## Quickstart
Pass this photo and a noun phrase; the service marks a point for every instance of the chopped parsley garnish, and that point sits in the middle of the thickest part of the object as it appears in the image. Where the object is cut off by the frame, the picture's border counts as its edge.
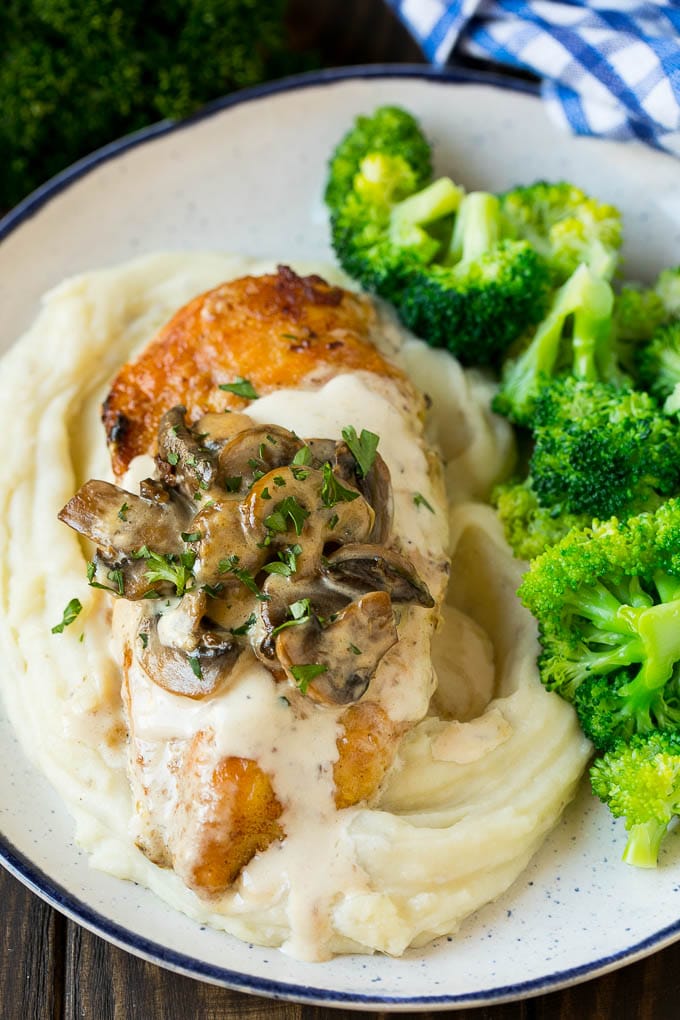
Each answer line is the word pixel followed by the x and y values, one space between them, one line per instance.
pixel 144 638
pixel 332 491
pixel 354 650
pixel 117 577
pixel 279 481
pixel 303 457
pixel 300 612
pixel 177 570
pixel 299 474
pixel 229 565
pixel 71 613
pixel 265 494
pixel 303 675
pixel 286 563
pixel 270 439
pixel 191 536
pixel 122 513
pixel 333 521
pixel 288 510
pixel 212 590
pixel 240 388
pixel 173 458
pixel 420 500
pixel 363 448
pixel 113 575
pixel 233 483
pixel 289 336
pixel 245 627
pixel 195 664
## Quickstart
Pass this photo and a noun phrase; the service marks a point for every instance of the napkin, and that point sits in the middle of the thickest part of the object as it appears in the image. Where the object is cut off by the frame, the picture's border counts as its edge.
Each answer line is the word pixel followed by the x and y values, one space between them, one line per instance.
pixel 609 69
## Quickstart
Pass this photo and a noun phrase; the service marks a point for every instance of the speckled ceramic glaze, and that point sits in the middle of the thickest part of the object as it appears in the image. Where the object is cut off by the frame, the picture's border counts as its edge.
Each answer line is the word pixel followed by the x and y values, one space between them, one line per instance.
pixel 247 176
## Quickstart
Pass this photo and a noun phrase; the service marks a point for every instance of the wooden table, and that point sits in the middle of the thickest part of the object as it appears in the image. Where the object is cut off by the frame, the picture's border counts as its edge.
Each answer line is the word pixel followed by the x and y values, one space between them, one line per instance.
pixel 51 969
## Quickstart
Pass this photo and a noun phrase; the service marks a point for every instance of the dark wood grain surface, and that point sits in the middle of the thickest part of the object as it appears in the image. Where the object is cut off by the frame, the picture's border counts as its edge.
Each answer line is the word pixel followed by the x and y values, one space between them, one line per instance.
pixel 51 968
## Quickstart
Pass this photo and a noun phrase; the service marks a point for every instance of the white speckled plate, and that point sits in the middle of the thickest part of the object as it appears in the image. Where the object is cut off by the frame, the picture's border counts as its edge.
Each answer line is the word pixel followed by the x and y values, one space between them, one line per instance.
pixel 247 176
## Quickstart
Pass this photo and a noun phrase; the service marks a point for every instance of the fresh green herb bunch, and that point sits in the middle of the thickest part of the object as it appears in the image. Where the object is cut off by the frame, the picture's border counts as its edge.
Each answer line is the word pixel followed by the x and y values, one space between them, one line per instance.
pixel 76 74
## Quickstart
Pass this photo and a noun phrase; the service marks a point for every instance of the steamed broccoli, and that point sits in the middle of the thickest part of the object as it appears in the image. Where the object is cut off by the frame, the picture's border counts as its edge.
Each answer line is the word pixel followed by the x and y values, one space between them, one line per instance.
pixel 390 131
pixel 378 230
pixel 607 600
pixel 566 226
pixel 574 338
pixel 437 255
pixel 640 782
pixel 640 311
pixel 482 294
pixel 658 364
pixel 601 451
pixel 529 527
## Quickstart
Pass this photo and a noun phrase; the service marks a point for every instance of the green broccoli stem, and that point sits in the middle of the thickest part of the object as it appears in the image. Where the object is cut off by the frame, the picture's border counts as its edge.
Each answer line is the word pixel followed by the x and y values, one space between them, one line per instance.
pixel 477 228
pixel 644 841
pixel 589 300
pixel 439 199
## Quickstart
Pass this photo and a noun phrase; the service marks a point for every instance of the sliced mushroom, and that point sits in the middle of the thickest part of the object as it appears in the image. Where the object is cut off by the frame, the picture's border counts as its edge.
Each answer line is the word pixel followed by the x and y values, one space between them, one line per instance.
pixel 120 523
pixel 349 649
pixel 181 455
pixel 282 593
pixel 363 568
pixel 218 427
pixel 195 674
pixel 254 452
pixel 222 538
pixel 376 488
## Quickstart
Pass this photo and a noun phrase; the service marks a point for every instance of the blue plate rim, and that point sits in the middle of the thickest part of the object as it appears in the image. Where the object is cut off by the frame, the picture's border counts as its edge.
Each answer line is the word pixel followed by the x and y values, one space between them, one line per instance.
pixel 57 895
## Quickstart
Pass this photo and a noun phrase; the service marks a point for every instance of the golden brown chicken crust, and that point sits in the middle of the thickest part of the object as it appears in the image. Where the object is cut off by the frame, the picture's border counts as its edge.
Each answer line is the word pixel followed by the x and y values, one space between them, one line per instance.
pixel 274 330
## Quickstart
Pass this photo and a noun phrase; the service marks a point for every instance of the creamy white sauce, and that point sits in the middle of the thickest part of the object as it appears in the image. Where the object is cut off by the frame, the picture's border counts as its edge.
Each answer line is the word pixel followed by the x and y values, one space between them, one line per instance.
pixel 467 804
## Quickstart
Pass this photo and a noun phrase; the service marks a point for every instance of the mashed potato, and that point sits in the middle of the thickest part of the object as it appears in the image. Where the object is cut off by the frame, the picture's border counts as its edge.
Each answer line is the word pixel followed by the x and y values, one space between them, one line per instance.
pixel 478 783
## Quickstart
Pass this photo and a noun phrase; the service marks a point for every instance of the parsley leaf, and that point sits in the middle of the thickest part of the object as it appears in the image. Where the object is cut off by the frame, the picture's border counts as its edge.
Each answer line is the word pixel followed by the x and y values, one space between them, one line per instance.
pixel 241 388
pixel 245 627
pixel 122 513
pixel 303 675
pixel 287 510
pixel 332 491
pixel 420 500
pixel 303 457
pixel 71 613
pixel 363 448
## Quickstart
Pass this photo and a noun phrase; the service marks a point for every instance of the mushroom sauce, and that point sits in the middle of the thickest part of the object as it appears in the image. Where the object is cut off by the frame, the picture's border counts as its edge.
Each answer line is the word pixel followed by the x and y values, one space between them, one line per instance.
pixel 470 745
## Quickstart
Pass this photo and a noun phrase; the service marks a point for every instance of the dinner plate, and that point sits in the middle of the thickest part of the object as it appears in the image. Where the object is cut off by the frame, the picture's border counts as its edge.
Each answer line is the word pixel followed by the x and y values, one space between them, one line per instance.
pixel 246 175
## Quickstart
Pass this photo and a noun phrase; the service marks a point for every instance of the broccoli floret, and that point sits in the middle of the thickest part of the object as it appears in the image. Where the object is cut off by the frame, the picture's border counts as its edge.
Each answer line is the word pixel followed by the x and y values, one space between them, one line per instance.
pixel 658 364
pixel 482 294
pixel 640 311
pixel 76 74
pixel 601 451
pixel 378 231
pixel 566 226
pixel 390 131
pixel 640 782
pixel 607 600
pixel 529 527
pixel 574 338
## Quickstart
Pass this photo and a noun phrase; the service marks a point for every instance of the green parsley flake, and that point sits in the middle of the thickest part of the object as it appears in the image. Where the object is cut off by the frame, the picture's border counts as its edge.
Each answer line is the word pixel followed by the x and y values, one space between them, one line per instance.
pixel 287 510
pixel 420 500
pixel 233 483
pixel 240 388
pixel 144 638
pixel 71 613
pixel 363 448
pixel 332 491
pixel 303 458
pixel 245 627
pixel 122 513
pixel 303 675
pixel 195 664
pixel 173 458
pixel 191 536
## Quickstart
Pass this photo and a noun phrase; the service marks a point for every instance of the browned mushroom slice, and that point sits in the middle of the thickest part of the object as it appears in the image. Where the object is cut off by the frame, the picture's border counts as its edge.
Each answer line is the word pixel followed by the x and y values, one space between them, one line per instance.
pixel 363 568
pixel 191 466
pixel 221 539
pixel 297 503
pixel 254 452
pixel 120 523
pixel 284 594
pixel 334 664
pixel 194 674
pixel 218 427
pixel 376 488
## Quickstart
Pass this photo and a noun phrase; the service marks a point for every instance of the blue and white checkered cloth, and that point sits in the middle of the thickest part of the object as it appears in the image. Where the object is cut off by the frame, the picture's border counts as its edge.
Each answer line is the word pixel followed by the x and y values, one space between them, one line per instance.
pixel 608 68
